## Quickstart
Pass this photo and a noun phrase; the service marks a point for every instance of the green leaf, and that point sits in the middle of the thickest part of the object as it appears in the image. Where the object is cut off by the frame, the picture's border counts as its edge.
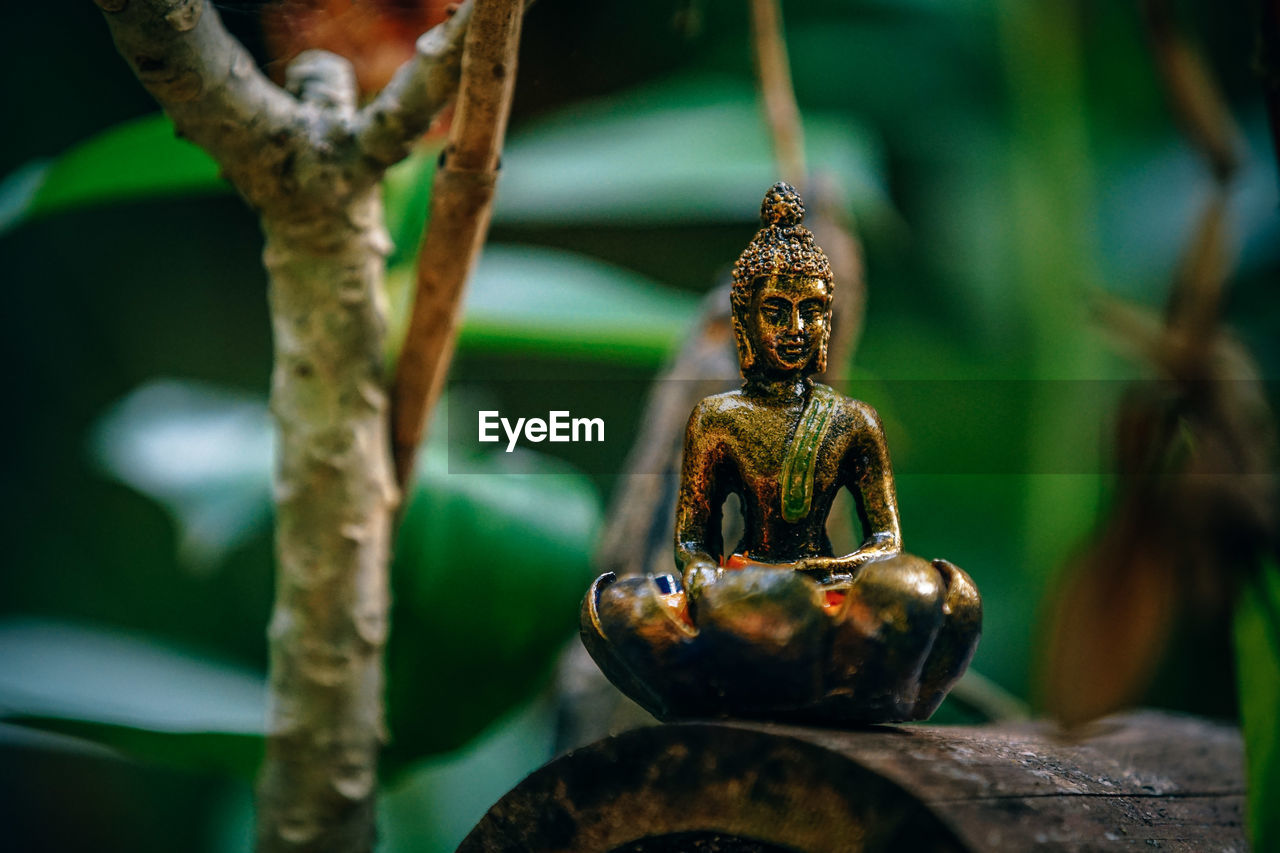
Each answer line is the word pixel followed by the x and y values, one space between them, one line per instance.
pixel 137 159
pixel 689 150
pixel 525 298
pixel 406 198
pixel 490 568
pixel 1257 641
pixel 18 190
pixel 131 693
pixel 24 737
pixel 202 452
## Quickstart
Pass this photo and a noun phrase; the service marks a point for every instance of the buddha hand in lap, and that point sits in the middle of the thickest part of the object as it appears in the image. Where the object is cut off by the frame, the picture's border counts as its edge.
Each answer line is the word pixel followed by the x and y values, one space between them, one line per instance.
pixel 782 627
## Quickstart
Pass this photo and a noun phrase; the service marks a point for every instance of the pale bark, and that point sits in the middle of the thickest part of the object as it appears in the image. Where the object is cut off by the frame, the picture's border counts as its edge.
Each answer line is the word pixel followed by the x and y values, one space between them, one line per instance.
pixel 334 503
pixel 309 163
pixel 415 93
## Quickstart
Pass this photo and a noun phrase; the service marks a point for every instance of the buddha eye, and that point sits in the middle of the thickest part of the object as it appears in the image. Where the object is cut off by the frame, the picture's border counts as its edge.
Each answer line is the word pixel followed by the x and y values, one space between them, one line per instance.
pixel 811 309
pixel 775 310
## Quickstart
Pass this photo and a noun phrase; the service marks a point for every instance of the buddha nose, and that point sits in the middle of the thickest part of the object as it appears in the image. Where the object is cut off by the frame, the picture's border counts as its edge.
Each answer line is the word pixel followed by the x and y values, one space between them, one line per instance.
pixel 795 324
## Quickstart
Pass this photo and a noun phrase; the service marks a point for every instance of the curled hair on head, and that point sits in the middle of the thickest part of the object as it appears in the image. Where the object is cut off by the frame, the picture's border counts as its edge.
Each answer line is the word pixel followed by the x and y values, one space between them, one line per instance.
pixel 782 246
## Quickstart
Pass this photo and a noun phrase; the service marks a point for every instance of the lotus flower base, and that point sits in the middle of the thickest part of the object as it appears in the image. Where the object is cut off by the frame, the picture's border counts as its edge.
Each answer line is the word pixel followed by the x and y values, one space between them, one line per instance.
pixel 772 643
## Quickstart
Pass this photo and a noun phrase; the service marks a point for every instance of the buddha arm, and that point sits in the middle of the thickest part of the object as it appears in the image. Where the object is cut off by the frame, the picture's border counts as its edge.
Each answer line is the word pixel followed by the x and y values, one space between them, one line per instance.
pixel 698 510
pixel 869 476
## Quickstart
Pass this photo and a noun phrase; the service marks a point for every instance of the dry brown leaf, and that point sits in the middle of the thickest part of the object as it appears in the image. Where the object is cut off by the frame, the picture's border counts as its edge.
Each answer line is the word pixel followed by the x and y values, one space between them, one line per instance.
pixel 1110 623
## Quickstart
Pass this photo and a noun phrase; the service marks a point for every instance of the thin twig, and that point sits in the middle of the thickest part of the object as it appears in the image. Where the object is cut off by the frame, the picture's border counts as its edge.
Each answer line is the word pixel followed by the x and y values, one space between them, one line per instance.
pixel 1193 94
pixel 461 202
pixel 781 110
pixel 1193 309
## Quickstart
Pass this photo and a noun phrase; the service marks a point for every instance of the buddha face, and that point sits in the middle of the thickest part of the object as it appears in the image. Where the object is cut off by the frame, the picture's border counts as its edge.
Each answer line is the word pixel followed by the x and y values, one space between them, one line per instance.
pixel 788 322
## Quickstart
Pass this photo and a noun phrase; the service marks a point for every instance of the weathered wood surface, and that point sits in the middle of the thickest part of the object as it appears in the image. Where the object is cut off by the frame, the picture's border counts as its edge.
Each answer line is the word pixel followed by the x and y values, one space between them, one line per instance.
pixel 1143 780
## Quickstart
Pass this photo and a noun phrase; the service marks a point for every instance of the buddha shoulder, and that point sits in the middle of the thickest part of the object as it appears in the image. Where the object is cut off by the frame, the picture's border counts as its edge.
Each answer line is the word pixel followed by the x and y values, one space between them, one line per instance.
pixel 854 415
pixel 718 410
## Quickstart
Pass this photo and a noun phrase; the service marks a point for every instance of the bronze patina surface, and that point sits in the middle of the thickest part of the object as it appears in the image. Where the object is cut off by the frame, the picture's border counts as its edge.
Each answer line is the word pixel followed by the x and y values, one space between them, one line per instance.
pixel 781 627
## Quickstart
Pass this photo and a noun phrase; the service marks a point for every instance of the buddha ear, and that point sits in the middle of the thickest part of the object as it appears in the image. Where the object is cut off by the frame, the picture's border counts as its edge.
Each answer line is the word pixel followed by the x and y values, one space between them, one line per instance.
pixel 746 353
pixel 739 308
pixel 820 360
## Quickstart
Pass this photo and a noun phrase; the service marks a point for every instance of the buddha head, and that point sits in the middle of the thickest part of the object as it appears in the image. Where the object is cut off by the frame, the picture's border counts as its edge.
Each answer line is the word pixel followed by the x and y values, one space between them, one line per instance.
pixel 781 295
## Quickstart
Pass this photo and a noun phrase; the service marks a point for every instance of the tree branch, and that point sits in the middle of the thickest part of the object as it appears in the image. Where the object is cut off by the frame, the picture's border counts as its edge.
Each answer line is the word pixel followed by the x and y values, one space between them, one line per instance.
pixel 335 499
pixel 461 202
pixel 323 80
pixel 297 157
pixel 387 128
pixel 209 85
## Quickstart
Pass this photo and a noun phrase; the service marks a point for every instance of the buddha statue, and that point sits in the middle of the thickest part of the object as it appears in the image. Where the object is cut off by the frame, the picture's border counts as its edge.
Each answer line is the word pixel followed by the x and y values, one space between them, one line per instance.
pixel 781 628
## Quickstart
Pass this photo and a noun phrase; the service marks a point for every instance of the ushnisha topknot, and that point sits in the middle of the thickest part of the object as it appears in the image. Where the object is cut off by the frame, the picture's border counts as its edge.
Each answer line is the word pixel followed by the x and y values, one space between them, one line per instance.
pixel 783 246
pixel 782 205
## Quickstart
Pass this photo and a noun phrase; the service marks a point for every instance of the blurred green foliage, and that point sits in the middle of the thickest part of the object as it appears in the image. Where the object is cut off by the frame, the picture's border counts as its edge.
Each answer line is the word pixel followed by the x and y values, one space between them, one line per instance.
pixel 1004 160
pixel 1257 646
pixel 145 158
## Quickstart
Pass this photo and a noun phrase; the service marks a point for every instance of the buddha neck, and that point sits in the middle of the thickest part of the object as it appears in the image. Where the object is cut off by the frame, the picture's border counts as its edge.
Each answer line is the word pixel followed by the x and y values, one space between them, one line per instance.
pixel 788 388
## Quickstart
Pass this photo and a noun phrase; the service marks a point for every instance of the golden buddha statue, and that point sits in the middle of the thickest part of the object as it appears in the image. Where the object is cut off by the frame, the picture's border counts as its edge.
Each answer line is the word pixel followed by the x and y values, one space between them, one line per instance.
pixel 782 628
